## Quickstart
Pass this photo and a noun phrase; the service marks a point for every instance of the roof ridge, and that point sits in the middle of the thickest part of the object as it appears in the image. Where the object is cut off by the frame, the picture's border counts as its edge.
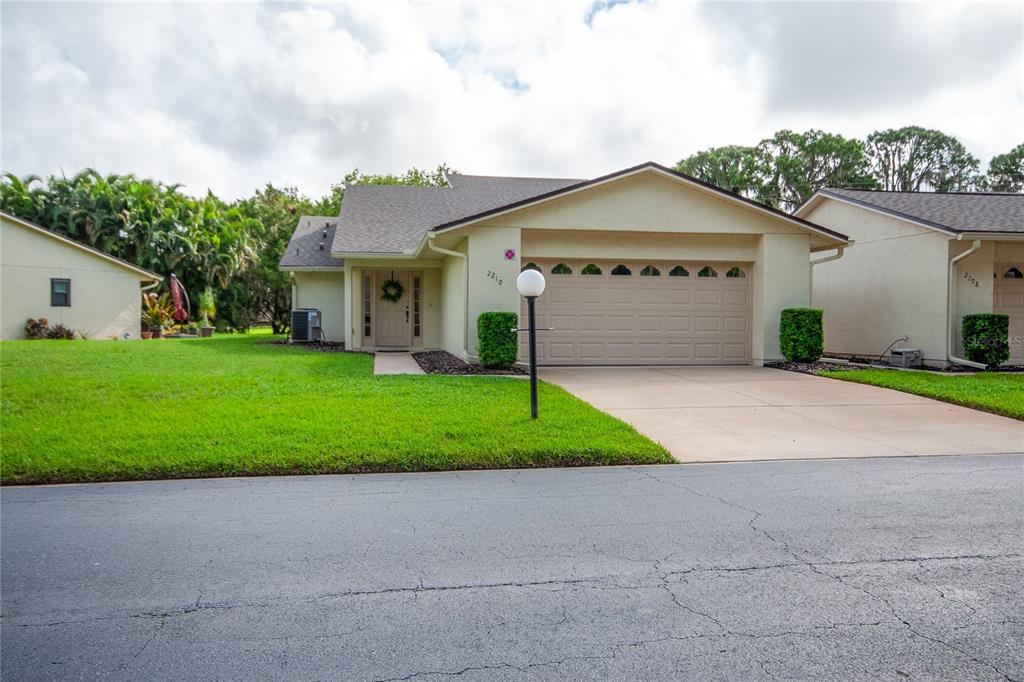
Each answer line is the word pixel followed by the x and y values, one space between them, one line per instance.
pixel 920 193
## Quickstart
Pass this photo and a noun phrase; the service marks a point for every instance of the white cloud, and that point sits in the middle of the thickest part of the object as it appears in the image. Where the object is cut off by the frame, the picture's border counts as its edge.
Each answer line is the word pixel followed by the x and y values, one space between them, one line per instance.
pixel 229 96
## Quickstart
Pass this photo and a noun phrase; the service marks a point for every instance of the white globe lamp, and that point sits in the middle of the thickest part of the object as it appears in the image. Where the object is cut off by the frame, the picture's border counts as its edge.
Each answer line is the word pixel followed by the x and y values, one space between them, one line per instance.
pixel 531 285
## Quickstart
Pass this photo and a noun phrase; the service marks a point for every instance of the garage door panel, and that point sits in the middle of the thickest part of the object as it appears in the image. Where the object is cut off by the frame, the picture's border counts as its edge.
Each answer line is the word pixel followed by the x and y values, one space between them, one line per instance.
pixel 738 298
pixel 706 324
pixel 707 351
pixel 735 324
pixel 677 323
pixel 560 295
pixel 634 319
pixel 1008 299
pixel 708 297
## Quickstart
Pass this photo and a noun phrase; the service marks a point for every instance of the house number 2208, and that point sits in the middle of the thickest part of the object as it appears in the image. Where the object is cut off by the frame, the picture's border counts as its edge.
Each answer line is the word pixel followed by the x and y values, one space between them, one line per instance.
pixel 493 275
pixel 970 278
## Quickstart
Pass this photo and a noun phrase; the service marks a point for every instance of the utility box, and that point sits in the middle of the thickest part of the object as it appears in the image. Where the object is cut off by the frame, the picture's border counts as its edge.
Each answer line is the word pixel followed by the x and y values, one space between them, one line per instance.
pixel 306 325
pixel 905 357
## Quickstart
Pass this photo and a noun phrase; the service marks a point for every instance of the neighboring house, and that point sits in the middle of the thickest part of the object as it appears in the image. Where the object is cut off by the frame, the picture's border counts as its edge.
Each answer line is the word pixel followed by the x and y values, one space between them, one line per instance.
pixel 918 262
pixel 44 274
pixel 644 266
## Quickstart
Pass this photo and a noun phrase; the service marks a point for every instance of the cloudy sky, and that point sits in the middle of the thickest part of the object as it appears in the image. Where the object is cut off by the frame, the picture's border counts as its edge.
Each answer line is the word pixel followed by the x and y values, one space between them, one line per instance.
pixel 229 96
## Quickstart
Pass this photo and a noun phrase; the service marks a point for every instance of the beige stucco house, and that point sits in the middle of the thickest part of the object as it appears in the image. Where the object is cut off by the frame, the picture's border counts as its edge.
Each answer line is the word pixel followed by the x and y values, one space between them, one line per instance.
pixel 917 263
pixel 44 274
pixel 644 266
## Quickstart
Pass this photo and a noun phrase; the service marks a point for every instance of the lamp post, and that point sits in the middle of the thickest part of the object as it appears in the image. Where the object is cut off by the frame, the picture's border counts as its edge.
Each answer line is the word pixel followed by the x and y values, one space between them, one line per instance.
pixel 531 285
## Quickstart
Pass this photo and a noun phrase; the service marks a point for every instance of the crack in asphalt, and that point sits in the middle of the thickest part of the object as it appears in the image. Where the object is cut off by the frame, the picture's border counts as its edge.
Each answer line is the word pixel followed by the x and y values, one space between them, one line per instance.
pixel 816 568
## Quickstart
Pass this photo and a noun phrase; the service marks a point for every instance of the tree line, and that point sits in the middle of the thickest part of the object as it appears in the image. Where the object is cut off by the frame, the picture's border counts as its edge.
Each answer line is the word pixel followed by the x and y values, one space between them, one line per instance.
pixel 786 169
pixel 235 247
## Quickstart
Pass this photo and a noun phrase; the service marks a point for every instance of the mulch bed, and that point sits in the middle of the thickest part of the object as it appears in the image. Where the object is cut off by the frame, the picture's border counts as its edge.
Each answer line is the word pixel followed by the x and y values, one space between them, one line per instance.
pixel 816 367
pixel 322 346
pixel 819 367
pixel 442 362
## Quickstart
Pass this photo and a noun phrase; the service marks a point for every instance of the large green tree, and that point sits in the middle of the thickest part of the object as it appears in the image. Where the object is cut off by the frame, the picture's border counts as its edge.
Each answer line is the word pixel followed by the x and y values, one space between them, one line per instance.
pixel 912 159
pixel 785 169
pixel 735 168
pixel 1006 171
pixel 799 164
pixel 235 247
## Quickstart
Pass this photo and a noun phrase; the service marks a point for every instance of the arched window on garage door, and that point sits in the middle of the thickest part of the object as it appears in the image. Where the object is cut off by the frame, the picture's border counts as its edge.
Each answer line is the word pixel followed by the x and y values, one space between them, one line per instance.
pixel 735 272
pixel 531 266
pixel 1013 273
pixel 679 271
pixel 621 270
pixel 707 271
pixel 650 271
pixel 590 269
pixel 561 269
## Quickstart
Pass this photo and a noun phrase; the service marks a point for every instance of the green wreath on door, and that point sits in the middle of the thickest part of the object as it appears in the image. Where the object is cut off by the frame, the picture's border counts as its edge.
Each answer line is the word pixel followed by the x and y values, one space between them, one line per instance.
pixel 392 290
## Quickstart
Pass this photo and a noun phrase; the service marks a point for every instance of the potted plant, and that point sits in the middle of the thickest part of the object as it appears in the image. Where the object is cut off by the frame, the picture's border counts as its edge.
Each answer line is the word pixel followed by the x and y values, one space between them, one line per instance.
pixel 157 313
pixel 207 311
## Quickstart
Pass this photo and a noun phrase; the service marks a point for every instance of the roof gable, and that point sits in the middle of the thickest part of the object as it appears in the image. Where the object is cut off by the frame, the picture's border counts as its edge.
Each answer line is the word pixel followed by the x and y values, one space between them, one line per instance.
pixel 390 219
pixel 727 202
pixel 71 243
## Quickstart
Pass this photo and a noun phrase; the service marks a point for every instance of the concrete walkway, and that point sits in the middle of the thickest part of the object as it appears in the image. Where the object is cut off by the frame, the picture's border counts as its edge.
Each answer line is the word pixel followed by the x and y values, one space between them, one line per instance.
pixel 713 414
pixel 395 363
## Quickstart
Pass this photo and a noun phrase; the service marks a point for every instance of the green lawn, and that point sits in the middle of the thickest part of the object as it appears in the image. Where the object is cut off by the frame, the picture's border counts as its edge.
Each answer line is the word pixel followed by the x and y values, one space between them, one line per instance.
pixel 992 392
pixel 232 405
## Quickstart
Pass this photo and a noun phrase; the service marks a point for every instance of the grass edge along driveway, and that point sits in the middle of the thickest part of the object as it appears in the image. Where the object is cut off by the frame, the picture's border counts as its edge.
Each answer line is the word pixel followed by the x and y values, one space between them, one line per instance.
pixel 1000 393
pixel 75 411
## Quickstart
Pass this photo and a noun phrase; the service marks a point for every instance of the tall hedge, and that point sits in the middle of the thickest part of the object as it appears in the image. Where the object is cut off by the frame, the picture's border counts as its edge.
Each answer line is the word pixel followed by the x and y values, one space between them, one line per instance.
pixel 800 334
pixel 499 343
pixel 987 338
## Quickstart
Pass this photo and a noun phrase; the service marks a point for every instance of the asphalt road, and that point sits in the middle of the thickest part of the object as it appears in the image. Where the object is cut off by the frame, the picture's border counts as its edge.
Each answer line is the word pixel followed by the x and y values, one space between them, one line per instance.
pixel 904 568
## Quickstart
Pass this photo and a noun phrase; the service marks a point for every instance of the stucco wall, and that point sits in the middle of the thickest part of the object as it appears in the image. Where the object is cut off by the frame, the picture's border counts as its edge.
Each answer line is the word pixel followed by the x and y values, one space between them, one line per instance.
pixel 326 292
pixel 1009 252
pixel 432 311
pixel 105 298
pixel 648 202
pixel 631 245
pixel 974 284
pixel 781 280
pixel 453 311
pixel 492 277
pixel 892 281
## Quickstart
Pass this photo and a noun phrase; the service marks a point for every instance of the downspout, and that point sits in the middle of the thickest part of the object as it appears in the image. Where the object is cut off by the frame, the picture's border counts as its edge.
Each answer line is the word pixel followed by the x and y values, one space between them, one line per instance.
pixel 838 254
pixel 951 307
pixel 465 267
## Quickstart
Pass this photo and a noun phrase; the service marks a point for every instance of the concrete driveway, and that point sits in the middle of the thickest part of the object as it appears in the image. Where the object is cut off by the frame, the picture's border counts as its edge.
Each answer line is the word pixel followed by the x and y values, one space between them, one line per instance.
pixel 727 414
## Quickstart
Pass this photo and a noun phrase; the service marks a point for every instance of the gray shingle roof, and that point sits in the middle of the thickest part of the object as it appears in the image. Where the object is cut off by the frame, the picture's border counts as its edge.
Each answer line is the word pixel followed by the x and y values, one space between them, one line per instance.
pixel 304 250
pixel 394 218
pixel 953 212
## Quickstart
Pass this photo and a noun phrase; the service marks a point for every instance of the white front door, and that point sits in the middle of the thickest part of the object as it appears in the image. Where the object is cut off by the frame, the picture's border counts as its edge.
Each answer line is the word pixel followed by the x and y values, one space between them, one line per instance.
pixel 392 318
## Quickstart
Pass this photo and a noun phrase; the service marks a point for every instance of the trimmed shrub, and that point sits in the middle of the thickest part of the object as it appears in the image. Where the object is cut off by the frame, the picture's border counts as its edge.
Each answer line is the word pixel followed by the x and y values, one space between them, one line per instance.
pixel 800 334
pixel 987 338
pixel 499 344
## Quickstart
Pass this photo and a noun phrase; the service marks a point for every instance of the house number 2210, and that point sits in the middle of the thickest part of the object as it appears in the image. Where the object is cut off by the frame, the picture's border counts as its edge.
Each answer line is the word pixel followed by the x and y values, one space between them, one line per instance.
pixel 970 278
pixel 493 275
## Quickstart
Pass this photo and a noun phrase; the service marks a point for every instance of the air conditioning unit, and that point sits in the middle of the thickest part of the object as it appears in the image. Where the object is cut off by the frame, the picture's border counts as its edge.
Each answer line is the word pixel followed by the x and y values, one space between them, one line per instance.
pixel 905 357
pixel 306 325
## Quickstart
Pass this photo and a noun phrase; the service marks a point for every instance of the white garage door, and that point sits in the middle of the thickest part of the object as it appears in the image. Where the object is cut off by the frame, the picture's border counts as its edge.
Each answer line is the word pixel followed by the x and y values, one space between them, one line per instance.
pixel 643 312
pixel 1009 299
